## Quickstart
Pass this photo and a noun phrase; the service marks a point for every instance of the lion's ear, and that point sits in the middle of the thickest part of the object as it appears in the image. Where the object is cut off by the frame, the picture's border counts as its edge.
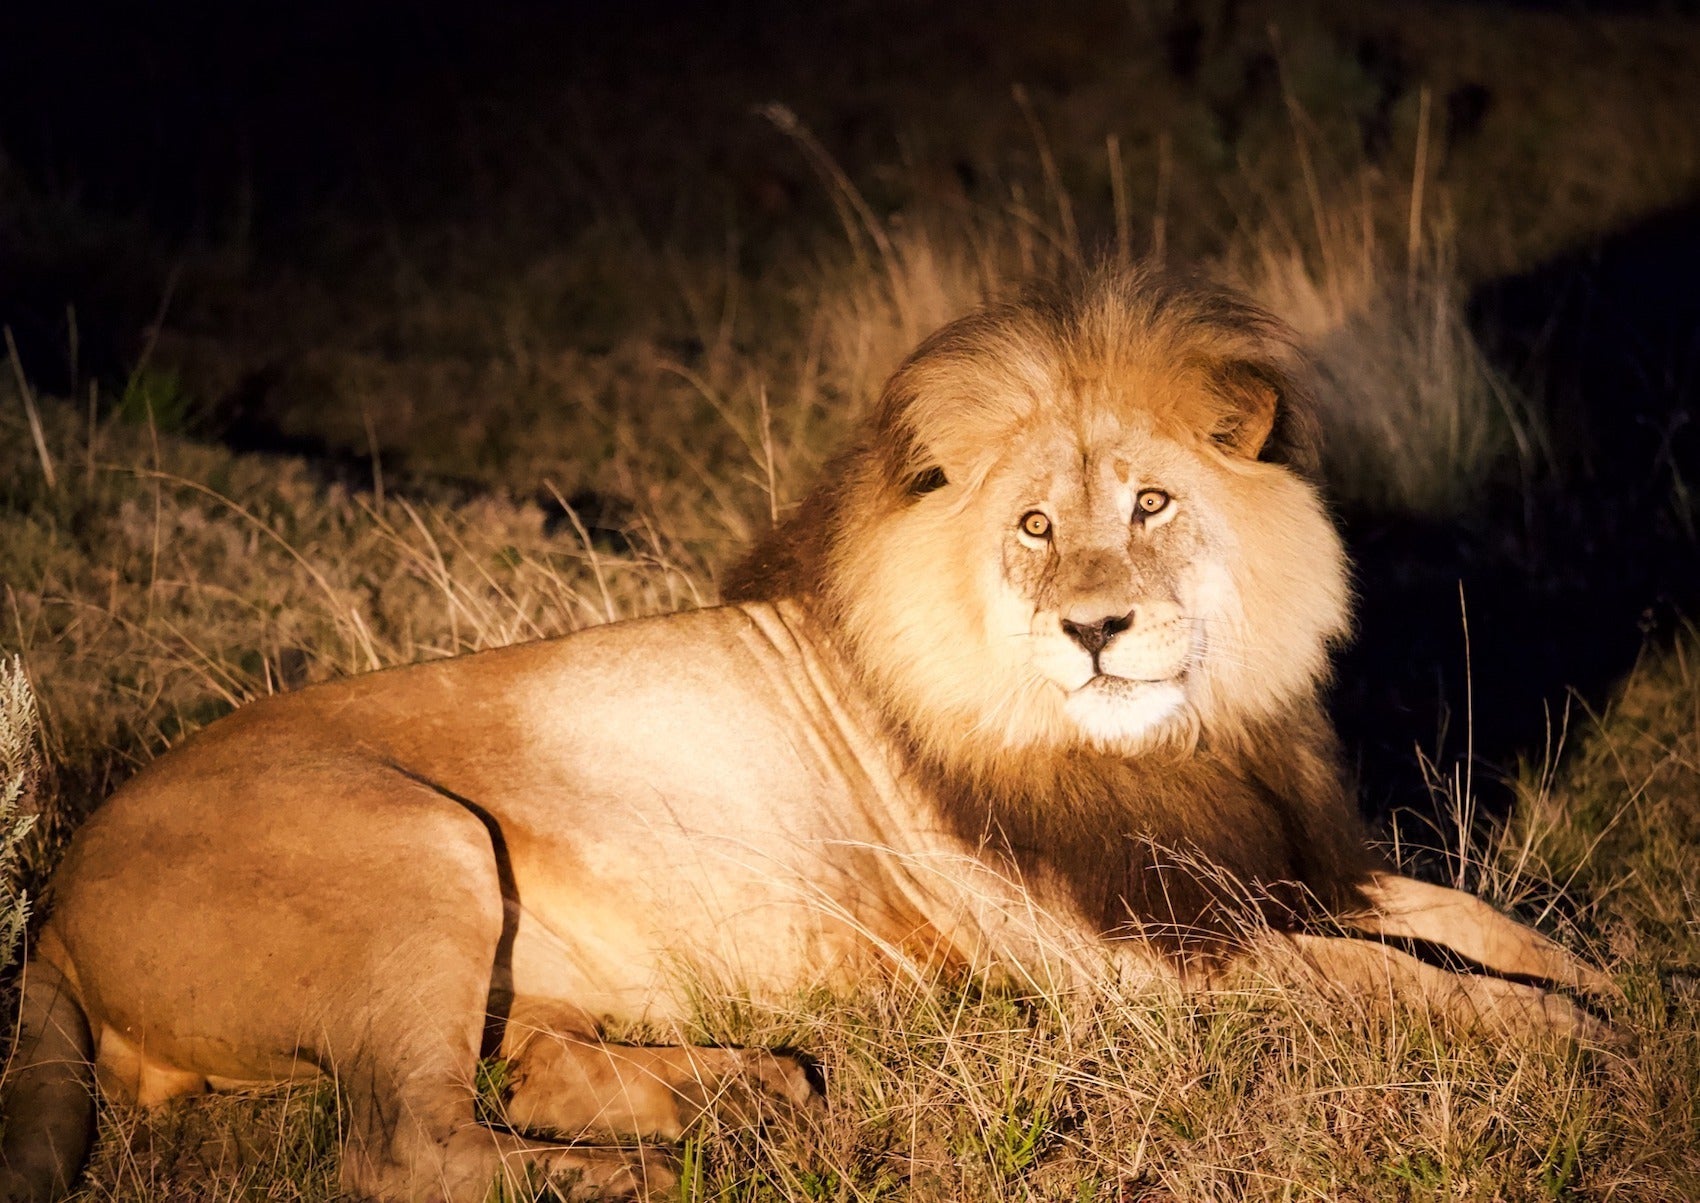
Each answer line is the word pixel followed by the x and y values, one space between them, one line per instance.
pixel 926 481
pixel 1245 425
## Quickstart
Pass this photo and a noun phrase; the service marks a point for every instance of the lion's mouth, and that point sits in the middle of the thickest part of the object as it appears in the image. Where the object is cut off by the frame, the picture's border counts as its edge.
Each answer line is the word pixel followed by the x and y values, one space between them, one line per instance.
pixel 1117 709
pixel 1109 683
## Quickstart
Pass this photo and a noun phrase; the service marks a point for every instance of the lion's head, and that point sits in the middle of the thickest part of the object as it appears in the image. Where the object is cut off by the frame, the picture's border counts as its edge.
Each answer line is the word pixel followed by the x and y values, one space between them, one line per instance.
pixel 1083 518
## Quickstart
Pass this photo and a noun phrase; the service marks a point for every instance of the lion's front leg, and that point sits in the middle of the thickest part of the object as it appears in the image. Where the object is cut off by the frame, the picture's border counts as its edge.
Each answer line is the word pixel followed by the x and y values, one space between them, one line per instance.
pixel 567 1082
pixel 1404 908
pixel 1378 975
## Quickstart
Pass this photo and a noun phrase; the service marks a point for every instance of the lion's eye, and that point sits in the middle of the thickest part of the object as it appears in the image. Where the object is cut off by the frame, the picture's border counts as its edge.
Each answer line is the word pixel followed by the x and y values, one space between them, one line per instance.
pixel 1035 525
pixel 1150 501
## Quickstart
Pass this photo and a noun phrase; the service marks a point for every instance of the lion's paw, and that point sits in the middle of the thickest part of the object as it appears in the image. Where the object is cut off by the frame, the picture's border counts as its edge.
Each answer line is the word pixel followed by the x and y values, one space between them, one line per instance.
pixel 758 1086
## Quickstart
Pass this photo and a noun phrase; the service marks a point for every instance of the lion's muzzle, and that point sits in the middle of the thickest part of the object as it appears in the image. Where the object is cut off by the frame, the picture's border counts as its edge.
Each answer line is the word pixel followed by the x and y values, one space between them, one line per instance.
pixel 1151 642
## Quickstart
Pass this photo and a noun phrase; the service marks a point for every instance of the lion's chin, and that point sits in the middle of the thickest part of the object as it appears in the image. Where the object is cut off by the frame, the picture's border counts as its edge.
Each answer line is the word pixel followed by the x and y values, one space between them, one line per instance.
pixel 1118 711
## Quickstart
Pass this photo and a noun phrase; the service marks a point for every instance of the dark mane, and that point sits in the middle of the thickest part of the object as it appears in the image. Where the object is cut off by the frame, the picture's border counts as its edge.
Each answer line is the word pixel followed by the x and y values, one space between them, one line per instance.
pixel 1187 849
pixel 1190 303
pixel 790 559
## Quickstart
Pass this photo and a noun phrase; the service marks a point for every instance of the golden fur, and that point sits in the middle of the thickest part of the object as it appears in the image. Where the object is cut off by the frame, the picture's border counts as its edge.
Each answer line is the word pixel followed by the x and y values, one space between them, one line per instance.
pixel 1030 684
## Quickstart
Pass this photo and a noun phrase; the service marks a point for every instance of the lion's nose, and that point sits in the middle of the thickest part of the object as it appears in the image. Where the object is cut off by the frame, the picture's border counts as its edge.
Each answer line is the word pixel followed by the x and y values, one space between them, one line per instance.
pixel 1093 636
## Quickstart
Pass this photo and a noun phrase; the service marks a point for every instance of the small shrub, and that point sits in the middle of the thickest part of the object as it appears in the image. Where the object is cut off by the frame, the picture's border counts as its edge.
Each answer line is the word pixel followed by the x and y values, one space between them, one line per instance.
pixel 20 778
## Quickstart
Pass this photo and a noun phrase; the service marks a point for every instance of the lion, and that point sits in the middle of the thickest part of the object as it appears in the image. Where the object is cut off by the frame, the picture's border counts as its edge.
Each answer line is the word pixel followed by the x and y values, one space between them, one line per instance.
pixel 1031 685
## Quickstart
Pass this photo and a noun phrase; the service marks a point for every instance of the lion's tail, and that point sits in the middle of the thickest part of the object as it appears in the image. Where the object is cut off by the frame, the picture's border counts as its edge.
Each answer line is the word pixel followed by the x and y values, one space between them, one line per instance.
pixel 46 1095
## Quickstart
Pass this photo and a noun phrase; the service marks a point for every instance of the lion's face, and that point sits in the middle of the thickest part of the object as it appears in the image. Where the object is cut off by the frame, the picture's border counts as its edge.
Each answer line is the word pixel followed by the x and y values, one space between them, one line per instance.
pixel 1085 547
pixel 1105 574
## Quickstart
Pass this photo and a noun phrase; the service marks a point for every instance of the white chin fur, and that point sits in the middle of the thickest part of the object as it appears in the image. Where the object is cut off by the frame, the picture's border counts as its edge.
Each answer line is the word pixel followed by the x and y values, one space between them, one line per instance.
pixel 1112 710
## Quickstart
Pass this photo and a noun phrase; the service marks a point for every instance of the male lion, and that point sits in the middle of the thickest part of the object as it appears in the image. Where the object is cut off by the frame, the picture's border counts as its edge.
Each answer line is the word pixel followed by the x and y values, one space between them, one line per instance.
pixel 1029 684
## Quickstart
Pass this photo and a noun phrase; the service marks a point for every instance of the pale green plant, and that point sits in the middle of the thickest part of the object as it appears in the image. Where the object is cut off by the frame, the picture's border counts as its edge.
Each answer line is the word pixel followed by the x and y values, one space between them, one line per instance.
pixel 20 782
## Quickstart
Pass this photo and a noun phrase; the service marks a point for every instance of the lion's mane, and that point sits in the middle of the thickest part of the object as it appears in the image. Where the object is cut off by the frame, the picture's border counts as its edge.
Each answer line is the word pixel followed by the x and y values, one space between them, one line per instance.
pixel 1241 812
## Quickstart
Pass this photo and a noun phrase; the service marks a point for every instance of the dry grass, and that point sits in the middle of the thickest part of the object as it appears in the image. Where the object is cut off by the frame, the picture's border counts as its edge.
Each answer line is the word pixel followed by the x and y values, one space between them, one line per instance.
pixel 1419 421
pixel 1621 830
pixel 160 582
pixel 151 583
pixel 947 1091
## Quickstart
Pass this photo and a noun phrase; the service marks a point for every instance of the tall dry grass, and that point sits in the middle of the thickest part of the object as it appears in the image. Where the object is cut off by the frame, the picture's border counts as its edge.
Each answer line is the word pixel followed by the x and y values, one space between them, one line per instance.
pixel 1419 421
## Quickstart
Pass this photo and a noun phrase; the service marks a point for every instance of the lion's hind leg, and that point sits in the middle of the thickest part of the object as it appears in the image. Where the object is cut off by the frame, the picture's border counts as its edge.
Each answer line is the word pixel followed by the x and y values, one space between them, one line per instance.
pixel 1381 975
pixel 1404 908
pixel 401 1026
pixel 412 1132
pixel 567 1082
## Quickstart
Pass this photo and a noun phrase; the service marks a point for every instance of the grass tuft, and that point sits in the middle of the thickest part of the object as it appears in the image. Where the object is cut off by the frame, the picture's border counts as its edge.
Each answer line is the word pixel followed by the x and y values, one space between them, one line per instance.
pixel 1419 421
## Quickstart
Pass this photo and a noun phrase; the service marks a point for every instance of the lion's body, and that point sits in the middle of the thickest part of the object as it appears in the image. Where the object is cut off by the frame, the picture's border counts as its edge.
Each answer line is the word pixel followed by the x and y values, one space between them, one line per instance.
pixel 1030 685
pixel 792 851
